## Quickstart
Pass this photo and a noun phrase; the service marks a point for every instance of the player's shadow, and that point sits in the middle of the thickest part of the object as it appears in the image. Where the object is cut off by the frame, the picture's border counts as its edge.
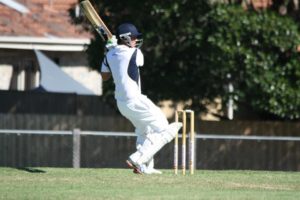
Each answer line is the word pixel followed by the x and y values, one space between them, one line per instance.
pixel 31 170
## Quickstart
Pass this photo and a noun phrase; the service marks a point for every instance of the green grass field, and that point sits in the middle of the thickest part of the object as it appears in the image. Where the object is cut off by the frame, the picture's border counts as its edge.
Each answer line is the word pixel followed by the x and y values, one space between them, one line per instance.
pixel 63 183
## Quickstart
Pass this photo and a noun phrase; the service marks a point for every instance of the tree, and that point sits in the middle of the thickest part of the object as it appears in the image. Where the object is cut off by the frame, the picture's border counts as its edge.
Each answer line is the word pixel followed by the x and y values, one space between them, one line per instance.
pixel 171 55
pixel 259 51
pixel 192 48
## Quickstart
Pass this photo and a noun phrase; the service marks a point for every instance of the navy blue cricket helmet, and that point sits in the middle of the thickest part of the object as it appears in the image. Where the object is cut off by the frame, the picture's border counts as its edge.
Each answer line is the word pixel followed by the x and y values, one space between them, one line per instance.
pixel 126 32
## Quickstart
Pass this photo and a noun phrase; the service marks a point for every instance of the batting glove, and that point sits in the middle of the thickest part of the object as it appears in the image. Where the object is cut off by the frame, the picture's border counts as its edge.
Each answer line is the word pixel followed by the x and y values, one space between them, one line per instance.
pixel 111 43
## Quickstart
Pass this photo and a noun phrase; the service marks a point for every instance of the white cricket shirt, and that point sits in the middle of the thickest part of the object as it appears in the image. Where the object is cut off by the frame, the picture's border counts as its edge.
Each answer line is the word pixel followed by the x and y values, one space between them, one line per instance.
pixel 124 62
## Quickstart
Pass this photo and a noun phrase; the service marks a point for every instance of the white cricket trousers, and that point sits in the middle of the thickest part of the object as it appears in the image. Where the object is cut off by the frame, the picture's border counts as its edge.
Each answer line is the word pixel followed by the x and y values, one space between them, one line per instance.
pixel 145 116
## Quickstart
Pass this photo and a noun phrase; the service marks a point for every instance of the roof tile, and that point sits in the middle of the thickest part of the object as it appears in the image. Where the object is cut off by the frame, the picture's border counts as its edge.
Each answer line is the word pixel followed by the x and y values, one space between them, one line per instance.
pixel 45 17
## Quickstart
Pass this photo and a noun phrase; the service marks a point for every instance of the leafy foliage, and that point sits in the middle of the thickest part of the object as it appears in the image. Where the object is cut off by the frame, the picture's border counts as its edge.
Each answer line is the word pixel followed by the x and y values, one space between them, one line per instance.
pixel 259 52
pixel 193 51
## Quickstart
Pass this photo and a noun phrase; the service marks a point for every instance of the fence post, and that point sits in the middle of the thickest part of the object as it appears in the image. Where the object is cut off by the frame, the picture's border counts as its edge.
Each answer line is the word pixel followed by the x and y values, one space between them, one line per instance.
pixel 195 151
pixel 76 148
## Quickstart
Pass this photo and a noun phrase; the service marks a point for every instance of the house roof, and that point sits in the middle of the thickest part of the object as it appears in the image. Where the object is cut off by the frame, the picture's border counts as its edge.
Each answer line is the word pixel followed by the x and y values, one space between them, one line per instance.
pixel 45 18
pixel 33 19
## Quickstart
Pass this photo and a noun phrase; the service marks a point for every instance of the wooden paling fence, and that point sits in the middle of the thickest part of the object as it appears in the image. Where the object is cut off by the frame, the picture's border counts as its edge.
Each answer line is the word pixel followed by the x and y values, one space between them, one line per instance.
pixel 29 120
pixel 76 148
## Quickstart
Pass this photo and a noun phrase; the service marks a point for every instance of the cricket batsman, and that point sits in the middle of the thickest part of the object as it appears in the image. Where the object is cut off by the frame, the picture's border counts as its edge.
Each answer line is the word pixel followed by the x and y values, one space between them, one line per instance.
pixel 122 62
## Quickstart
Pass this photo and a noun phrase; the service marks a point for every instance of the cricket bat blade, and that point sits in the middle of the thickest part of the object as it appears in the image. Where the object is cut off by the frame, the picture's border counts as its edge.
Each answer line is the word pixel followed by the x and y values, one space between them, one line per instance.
pixel 95 19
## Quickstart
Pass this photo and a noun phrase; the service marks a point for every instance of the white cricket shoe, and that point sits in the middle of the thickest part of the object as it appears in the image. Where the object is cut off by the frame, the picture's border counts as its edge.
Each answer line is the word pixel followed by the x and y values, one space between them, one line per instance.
pixel 150 171
pixel 136 168
pixel 146 170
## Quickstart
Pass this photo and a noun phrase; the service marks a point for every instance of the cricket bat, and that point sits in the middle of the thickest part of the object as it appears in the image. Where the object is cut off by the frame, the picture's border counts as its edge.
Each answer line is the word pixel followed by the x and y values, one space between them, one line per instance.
pixel 95 19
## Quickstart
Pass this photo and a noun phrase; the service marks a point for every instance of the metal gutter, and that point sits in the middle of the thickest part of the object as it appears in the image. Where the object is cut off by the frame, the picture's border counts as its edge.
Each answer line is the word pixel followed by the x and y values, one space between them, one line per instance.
pixel 16 6
pixel 43 43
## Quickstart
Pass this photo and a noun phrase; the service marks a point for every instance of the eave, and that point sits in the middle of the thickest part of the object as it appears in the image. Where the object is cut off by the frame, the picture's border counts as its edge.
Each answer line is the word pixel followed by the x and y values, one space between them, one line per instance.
pixel 44 43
